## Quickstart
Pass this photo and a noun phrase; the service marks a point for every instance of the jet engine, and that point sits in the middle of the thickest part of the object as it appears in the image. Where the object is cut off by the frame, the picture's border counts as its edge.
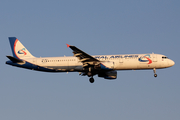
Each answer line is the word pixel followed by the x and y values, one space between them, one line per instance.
pixel 108 75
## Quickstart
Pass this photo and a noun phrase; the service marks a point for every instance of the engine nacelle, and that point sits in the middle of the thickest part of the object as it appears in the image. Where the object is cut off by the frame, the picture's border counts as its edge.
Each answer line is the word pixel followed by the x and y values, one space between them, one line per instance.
pixel 105 65
pixel 108 75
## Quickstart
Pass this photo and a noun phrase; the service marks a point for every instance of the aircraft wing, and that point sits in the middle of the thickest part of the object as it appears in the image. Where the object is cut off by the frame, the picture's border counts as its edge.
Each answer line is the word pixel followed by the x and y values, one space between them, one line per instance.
pixel 82 56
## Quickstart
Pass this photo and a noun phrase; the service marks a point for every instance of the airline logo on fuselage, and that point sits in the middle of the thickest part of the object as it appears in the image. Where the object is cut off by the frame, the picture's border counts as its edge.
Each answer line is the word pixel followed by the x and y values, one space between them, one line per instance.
pixel 116 56
pixel 22 51
pixel 145 58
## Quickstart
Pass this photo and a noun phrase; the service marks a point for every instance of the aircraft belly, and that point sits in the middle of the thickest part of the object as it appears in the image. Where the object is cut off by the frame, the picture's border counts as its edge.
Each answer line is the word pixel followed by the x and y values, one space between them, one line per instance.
pixel 132 65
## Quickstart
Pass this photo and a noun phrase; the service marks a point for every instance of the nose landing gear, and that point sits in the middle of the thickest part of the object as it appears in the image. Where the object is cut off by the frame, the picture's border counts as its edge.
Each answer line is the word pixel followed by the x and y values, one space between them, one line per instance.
pixel 155 75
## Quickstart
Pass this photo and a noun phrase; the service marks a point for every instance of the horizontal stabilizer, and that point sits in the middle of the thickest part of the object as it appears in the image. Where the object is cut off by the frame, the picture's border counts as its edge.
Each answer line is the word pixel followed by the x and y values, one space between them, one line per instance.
pixel 15 60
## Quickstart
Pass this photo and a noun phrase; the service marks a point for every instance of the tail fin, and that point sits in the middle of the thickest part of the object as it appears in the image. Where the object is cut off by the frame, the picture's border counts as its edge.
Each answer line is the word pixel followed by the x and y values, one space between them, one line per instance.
pixel 18 50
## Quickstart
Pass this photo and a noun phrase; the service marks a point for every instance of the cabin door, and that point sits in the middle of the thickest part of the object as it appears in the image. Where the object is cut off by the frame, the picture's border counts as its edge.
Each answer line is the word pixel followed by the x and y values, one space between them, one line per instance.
pixel 154 57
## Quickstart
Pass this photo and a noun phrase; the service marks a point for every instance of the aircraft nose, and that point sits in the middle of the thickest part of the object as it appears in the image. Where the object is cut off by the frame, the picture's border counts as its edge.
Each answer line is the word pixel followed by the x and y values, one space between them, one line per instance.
pixel 171 62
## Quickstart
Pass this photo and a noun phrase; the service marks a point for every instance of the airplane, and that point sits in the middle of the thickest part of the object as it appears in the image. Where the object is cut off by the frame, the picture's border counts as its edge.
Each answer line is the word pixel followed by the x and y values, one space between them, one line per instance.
pixel 104 66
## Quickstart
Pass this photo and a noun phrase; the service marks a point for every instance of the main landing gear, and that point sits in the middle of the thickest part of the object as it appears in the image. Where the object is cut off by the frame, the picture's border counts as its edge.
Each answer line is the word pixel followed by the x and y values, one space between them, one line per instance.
pixel 155 75
pixel 91 80
pixel 89 74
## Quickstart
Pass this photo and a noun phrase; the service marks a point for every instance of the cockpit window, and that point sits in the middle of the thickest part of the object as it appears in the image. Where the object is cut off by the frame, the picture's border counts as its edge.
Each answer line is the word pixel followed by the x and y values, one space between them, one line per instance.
pixel 164 57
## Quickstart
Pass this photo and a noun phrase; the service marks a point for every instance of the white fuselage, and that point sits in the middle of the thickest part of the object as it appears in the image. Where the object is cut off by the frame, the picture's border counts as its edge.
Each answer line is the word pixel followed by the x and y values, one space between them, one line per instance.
pixel 119 62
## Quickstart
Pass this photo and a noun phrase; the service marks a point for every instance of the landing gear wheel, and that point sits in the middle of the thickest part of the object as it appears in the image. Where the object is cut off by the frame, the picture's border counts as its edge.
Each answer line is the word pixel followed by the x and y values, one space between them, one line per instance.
pixel 91 80
pixel 155 75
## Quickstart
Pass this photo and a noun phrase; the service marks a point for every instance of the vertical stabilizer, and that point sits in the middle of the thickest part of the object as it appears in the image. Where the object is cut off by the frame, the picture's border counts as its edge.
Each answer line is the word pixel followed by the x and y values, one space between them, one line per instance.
pixel 18 50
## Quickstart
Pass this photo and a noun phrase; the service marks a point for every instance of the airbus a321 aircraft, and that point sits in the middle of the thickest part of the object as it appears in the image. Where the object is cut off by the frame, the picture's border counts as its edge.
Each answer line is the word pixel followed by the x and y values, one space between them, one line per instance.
pixel 102 65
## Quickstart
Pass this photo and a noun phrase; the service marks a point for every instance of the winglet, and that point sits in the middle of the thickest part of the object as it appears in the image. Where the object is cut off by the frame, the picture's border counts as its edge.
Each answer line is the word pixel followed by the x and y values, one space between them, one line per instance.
pixel 68 45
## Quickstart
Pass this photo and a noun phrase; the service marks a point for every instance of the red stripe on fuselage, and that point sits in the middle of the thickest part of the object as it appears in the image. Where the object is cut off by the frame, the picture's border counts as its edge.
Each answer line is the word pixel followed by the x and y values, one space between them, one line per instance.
pixel 150 61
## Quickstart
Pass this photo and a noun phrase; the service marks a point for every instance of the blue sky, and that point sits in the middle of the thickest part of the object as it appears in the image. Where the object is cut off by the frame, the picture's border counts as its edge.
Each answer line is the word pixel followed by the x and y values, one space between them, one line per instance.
pixel 97 27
